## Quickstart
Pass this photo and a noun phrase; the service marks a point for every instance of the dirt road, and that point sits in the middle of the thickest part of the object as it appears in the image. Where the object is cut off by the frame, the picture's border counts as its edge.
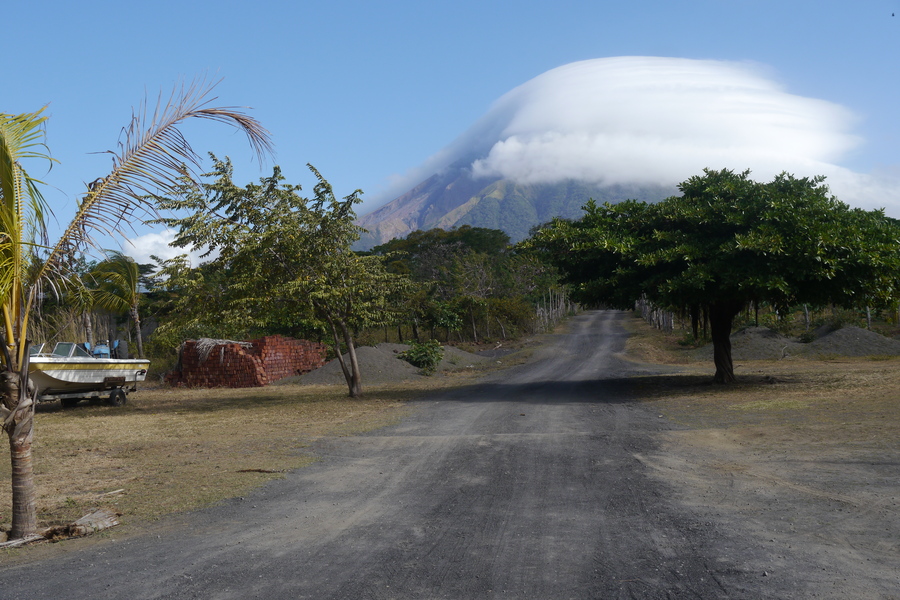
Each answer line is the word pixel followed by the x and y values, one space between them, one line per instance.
pixel 533 484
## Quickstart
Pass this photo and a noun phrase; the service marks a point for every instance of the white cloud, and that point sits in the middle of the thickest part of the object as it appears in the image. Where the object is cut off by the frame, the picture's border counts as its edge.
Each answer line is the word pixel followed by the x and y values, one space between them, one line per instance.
pixel 662 120
pixel 141 248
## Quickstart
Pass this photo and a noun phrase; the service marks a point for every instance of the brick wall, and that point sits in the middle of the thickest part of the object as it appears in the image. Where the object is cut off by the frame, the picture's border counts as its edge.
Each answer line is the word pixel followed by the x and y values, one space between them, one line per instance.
pixel 268 359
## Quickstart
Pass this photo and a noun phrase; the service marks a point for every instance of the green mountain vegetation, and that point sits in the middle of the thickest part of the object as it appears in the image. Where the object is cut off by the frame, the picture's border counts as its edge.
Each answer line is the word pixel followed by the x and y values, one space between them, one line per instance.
pixel 453 199
pixel 517 208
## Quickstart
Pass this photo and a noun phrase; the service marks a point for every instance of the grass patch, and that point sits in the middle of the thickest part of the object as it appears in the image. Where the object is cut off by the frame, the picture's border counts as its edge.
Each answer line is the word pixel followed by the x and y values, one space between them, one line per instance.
pixel 777 404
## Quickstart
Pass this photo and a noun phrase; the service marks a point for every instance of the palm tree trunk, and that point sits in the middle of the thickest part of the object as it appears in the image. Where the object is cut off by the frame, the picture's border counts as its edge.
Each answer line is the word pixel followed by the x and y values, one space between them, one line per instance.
pixel 138 338
pixel 88 328
pixel 24 516
pixel 18 399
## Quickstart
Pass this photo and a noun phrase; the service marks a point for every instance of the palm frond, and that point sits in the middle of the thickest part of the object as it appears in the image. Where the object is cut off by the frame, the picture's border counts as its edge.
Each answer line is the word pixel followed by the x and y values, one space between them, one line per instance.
pixel 118 282
pixel 154 157
pixel 22 207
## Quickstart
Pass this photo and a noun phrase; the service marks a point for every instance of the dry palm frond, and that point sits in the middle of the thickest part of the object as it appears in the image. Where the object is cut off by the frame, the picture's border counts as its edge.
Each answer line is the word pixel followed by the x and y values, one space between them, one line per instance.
pixel 205 346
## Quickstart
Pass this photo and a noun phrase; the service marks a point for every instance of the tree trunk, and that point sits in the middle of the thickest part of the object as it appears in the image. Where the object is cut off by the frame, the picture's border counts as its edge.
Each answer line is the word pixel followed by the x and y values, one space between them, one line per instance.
pixel 17 397
pixel 88 328
pixel 138 337
pixel 695 323
pixel 721 320
pixel 351 371
pixel 354 383
pixel 24 511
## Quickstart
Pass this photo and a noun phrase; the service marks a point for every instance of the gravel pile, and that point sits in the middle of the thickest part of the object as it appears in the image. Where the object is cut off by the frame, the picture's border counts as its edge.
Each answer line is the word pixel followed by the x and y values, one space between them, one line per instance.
pixel 762 343
pixel 754 343
pixel 380 364
pixel 853 341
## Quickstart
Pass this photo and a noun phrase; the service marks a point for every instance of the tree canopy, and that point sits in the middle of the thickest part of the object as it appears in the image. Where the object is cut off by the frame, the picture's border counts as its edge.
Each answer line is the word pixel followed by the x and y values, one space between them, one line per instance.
pixel 472 281
pixel 282 261
pixel 725 242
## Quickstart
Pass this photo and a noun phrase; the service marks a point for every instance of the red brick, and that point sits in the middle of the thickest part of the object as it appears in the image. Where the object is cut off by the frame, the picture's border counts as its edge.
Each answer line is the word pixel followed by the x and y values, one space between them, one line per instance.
pixel 231 365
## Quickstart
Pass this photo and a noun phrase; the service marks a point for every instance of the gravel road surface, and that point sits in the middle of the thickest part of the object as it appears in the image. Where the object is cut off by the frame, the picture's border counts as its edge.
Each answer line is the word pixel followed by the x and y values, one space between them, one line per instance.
pixel 529 484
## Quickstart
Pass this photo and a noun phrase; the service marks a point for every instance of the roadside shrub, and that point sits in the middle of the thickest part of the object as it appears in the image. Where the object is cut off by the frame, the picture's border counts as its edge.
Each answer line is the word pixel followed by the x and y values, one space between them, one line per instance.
pixel 425 355
pixel 807 337
pixel 688 340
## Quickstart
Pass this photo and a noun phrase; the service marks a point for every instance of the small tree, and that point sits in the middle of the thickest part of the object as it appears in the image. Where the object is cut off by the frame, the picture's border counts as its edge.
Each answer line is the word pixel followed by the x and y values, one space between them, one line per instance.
pixel 725 242
pixel 118 290
pixel 285 259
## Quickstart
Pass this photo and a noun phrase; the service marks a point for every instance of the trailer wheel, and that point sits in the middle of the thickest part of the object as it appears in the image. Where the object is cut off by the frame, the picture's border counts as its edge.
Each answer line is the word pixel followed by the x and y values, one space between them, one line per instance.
pixel 69 402
pixel 117 398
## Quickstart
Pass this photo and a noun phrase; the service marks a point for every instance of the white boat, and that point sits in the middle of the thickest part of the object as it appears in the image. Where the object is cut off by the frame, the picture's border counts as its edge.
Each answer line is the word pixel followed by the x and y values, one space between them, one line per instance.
pixel 71 373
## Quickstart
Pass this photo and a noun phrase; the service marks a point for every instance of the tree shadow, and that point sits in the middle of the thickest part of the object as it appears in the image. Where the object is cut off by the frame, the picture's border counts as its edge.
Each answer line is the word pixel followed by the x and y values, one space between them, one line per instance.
pixel 605 390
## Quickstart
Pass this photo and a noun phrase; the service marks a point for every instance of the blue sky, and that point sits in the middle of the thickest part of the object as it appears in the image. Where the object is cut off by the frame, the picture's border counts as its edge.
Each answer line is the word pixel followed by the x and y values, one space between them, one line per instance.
pixel 368 91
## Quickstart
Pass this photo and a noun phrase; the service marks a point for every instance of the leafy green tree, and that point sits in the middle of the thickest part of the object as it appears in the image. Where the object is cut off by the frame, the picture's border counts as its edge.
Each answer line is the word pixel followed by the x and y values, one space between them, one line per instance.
pixel 152 156
pixel 285 259
pixel 725 242
pixel 191 303
pixel 473 272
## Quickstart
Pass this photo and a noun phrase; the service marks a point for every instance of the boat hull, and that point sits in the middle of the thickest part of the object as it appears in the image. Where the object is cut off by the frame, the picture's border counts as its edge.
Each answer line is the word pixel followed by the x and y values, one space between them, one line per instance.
pixel 75 375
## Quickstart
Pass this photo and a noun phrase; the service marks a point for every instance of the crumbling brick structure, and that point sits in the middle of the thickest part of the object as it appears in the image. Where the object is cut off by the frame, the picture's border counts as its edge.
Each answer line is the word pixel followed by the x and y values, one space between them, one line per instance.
pixel 245 364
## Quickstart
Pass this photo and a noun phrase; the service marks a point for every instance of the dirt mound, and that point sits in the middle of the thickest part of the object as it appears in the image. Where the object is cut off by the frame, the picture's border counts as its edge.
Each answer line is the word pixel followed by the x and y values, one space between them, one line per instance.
pixel 762 343
pixel 380 364
pixel 755 343
pixel 853 341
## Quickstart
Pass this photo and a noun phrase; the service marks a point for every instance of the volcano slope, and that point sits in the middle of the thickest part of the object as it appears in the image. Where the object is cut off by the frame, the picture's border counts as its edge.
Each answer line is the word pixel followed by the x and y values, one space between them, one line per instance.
pixel 548 480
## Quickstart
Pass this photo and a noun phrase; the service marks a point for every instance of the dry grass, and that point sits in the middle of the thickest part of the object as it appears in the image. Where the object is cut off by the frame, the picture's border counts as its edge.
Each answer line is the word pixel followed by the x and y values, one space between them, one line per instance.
pixel 171 450
pixel 802 452
pixel 836 402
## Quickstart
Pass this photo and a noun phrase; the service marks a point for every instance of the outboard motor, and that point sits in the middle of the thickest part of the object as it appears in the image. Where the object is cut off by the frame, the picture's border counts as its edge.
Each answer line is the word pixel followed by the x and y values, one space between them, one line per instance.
pixel 101 350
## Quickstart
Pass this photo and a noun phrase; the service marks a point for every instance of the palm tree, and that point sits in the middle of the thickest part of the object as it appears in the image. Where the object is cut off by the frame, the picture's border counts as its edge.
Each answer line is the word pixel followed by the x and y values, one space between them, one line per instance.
pixel 152 156
pixel 118 289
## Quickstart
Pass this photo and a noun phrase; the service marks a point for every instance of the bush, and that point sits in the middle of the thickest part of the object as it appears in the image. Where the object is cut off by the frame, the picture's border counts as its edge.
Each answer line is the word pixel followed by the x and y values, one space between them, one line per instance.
pixel 425 355
pixel 688 340
pixel 807 337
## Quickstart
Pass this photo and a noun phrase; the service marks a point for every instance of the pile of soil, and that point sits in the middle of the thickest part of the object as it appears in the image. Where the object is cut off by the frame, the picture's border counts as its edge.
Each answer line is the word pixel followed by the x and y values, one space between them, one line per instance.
pixel 762 343
pixel 381 364
pixel 853 341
